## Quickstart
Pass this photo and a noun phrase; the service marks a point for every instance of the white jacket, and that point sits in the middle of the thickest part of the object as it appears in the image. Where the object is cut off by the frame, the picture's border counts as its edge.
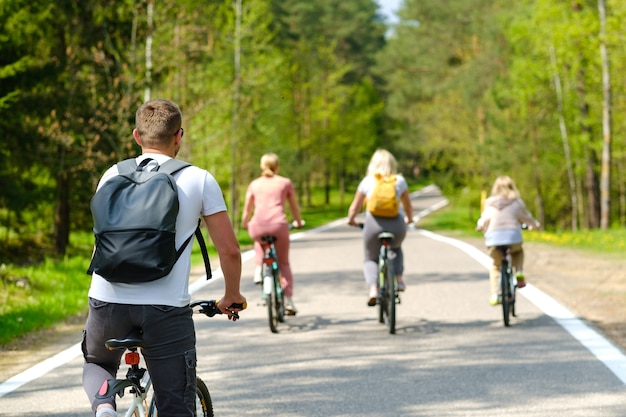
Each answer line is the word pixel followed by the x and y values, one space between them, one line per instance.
pixel 501 221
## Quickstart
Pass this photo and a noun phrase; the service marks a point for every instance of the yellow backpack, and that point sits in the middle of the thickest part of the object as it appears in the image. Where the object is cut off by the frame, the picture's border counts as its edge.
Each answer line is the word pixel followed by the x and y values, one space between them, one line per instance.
pixel 383 202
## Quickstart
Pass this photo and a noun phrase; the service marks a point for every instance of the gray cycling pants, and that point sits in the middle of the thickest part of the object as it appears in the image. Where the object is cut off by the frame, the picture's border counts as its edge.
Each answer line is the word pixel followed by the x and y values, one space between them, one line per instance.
pixel 373 226
pixel 170 354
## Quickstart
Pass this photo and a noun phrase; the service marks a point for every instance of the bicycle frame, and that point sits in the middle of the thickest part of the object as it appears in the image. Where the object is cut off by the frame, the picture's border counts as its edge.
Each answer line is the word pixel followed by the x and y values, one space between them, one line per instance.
pixel 387 294
pixel 139 406
pixel 138 378
pixel 272 288
pixel 508 284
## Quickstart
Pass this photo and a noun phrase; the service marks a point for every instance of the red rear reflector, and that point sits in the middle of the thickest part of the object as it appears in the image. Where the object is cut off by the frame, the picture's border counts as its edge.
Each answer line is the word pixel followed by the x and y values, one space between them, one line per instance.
pixel 132 358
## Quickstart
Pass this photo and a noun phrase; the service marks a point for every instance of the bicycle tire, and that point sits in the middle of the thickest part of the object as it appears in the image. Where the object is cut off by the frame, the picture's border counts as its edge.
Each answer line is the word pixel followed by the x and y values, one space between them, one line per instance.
pixel 270 300
pixel 381 296
pixel 203 406
pixel 505 290
pixel 390 287
pixel 513 303
pixel 280 297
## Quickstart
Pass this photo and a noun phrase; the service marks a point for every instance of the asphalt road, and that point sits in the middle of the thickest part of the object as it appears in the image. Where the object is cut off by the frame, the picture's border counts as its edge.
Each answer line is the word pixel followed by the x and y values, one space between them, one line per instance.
pixel 451 355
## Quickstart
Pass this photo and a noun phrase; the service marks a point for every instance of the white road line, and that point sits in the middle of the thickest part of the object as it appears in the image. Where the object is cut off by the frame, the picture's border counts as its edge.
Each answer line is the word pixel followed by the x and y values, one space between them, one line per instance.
pixel 40 369
pixel 606 352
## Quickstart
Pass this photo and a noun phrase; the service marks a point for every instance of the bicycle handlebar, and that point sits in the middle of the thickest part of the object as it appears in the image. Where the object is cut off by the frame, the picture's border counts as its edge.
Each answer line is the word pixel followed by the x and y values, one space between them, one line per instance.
pixel 209 307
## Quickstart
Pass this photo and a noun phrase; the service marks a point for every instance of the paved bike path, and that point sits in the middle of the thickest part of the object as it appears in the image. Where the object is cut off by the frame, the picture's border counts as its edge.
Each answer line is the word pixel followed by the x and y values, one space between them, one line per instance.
pixel 451 355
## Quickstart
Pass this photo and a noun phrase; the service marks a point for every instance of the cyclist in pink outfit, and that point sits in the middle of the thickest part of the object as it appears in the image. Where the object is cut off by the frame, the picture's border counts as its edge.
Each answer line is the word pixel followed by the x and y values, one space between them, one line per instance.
pixel 265 197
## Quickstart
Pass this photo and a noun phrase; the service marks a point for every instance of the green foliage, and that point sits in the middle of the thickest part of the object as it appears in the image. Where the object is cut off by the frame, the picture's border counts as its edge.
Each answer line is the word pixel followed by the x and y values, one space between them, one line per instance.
pixel 472 92
pixel 37 297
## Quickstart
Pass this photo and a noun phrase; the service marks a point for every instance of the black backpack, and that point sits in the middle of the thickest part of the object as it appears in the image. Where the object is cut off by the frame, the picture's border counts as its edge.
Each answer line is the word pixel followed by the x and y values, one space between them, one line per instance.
pixel 134 215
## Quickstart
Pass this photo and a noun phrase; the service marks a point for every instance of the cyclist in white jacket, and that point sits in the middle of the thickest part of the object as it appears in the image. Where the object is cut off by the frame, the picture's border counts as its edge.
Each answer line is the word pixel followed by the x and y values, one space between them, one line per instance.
pixel 501 221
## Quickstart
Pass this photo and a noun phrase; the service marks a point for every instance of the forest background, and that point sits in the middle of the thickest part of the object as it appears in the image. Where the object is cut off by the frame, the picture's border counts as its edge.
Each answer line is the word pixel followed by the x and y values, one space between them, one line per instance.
pixel 460 91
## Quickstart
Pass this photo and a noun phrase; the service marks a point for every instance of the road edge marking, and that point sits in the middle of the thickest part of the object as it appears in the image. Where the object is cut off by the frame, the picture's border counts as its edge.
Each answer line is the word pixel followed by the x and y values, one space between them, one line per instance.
pixel 602 348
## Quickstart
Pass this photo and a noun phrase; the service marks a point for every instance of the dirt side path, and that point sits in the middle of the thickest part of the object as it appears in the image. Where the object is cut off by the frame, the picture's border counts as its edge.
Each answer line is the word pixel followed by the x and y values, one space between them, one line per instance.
pixel 592 286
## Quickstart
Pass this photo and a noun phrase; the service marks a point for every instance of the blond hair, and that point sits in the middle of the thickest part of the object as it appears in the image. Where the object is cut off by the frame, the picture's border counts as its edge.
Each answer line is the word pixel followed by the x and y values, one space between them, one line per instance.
pixel 269 164
pixel 382 162
pixel 157 122
pixel 504 186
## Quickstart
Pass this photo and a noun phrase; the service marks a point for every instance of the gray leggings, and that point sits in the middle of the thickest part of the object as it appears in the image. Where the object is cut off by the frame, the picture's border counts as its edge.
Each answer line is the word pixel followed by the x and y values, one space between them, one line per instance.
pixel 170 354
pixel 374 226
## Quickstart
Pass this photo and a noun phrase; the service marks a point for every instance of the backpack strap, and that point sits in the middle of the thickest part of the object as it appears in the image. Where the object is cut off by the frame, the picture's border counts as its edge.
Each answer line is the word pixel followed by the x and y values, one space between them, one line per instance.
pixel 203 249
pixel 205 253
pixel 127 166
pixel 172 166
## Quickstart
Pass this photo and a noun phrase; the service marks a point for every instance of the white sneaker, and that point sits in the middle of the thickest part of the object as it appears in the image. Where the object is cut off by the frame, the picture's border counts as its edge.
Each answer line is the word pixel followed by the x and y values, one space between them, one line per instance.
pixel 290 308
pixel 106 412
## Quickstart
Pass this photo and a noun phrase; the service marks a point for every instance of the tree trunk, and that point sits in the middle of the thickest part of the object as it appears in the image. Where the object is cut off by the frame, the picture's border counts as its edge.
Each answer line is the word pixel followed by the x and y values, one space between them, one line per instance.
pixel 591 177
pixel 540 212
pixel 593 189
pixel 621 180
pixel 234 200
pixel 150 17
pixel 605 181
pixel 566 149
pixel 62 214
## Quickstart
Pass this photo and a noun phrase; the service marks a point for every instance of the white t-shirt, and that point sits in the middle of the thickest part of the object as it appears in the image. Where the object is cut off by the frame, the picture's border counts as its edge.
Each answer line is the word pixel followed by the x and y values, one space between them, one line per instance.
pixel 199 194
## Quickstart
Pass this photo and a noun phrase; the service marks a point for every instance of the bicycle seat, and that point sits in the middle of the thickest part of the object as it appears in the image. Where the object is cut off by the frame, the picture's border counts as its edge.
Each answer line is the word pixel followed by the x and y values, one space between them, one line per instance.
pixel 268 238
pixel 385 235
pixel 133 340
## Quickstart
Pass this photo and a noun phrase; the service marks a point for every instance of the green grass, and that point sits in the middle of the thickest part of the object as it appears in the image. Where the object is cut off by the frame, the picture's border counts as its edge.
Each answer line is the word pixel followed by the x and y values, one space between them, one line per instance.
pixel 611 241
pixel 453 219
pixel 459 220
pixel 36 297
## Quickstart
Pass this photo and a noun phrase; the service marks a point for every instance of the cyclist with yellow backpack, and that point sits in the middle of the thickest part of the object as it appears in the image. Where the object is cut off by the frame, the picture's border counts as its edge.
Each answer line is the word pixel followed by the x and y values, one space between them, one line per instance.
pixel 388 209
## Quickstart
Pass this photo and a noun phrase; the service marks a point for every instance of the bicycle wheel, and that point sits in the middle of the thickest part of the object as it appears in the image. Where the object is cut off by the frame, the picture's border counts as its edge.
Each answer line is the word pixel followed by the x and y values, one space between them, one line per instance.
pixel 513 301
pixel 269 291
pixel 390 295
pixel 203 406
pixel 382 301
pixel 280 297
pixel 513 286
pixel 505 288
